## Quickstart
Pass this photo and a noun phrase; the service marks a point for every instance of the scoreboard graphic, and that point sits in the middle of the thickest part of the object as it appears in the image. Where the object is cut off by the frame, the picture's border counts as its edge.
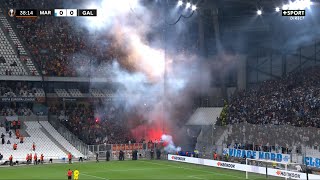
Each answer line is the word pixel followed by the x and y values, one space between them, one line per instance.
pixel 33 13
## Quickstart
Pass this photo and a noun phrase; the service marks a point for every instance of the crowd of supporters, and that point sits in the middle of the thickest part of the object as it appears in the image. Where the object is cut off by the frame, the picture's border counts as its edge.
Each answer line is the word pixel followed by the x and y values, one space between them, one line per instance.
pixel 73 53
pixel 292 100
pixel 13 110
pixel 269 114
pixel 17 89
pixel 280 138
pixel 82 120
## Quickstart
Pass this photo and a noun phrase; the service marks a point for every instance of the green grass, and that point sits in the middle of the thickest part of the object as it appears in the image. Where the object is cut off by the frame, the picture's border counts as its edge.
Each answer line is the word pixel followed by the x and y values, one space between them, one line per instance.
pixel 140 169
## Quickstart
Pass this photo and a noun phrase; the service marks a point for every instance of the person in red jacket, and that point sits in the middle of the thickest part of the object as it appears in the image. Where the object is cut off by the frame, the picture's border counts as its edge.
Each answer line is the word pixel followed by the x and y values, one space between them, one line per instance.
pixel 215 156
pixel 11 160
pixel 41 158
pixel 69 174
pixel 70 158
pixel 35 159
pixel 30 158
pixel 15 146
pixel 34 147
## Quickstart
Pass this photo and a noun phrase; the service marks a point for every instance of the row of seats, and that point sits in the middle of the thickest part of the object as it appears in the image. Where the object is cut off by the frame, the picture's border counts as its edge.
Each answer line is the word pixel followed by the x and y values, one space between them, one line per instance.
pixel 57 136
pixel 75 93
pixel 42 141
pixel 62 93
pixel 78 93
pixel 30 65
pixel 43 144
pixel 39 92
pixel 100 93
pixel 34 92
pixel 9 64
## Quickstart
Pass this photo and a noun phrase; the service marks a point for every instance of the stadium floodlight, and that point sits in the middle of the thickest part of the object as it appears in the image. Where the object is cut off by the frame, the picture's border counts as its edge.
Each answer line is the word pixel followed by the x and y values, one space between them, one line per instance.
pixel 259 12
pixel 277 9
pixel 188 5
pixel 193 7
pixel 180 3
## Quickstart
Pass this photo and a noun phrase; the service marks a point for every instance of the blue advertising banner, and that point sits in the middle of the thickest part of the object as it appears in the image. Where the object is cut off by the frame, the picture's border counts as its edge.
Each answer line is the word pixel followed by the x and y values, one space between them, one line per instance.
pixel 312 161
pixel 284 158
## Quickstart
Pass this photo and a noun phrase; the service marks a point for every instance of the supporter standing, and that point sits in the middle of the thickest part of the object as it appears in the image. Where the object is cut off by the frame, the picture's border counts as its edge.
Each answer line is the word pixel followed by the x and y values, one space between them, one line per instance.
pixel 2 138
pixel 108 155
pixel 35 159
pixel 27 159
pixel 15 146
pixel 30 158
pixel 215 156
pixel 11 160
pixel 69 158
pixel 97 157
pixel 41 158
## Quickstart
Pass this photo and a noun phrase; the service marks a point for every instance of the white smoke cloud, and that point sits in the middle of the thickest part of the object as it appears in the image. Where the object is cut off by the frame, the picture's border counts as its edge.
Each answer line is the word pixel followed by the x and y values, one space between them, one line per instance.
pixel 128 23
pixel 169 144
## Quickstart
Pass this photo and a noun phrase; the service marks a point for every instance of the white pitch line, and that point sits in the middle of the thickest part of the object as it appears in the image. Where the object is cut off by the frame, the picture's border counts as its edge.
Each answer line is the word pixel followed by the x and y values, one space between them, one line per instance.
pixel 237 177
pixel 97 177
pixel 196 177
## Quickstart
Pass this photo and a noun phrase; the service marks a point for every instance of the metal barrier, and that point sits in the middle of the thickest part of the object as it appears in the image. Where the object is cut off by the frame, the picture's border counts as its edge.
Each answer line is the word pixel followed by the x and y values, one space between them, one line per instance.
pixel 70 137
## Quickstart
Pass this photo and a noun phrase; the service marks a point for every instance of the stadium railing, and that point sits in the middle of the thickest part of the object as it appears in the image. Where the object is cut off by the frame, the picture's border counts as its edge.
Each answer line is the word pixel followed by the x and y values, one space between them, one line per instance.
pixel 114 149
pixel 71 138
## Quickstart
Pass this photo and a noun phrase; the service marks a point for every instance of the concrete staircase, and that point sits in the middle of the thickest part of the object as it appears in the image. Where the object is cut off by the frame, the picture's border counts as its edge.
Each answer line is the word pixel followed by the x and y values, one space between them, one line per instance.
pixel 53 140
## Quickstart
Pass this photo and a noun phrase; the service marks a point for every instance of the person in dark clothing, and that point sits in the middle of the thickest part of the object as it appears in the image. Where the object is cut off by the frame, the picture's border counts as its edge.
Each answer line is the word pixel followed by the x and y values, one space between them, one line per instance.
pixel 2 60
pixel 10 134
pixel 152 154
pixel 108 155
pixel 158 154
pixel 97 157
pixel 134 155
pixel 121 155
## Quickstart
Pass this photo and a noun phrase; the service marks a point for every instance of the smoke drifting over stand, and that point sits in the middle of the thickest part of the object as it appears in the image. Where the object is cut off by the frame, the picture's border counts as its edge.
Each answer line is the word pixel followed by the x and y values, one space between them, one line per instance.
pixel 124 28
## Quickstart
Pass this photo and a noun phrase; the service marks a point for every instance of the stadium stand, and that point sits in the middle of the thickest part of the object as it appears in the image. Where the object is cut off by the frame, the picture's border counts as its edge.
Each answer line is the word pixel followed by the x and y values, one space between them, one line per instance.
pixel 75 93
pixel 9 64
pixel 278 116
pixel 80 120
pixel 64 143
pixel 35 135
pixel 13 55
pixel 62 93
pixel 292 100
pixel 20 89
pixel 97 93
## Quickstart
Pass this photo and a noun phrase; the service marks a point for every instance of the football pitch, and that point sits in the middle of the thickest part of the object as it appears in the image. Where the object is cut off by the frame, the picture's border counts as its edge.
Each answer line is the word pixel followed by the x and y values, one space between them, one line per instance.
pixel 140 169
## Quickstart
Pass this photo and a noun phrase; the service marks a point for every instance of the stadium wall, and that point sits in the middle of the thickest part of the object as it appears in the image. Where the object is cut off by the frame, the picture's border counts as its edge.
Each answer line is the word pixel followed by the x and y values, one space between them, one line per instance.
pixel 242 167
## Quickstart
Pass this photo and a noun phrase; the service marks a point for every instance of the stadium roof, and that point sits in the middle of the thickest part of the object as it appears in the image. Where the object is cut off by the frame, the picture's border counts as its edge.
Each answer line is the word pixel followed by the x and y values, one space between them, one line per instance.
pixel 204 116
